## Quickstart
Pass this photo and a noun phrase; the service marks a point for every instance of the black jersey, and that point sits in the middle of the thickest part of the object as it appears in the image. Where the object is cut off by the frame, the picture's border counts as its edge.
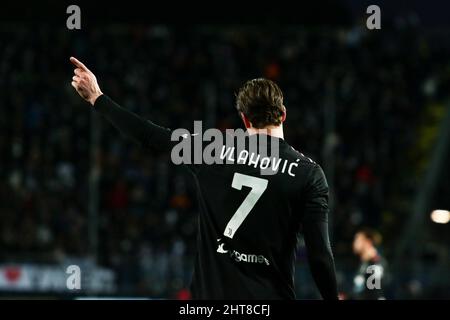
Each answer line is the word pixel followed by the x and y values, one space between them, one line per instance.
pixel 250 218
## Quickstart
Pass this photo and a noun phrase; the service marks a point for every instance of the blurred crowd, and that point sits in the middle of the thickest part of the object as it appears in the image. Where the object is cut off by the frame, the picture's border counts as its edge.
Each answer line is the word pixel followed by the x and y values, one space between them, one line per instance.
pixel 354 100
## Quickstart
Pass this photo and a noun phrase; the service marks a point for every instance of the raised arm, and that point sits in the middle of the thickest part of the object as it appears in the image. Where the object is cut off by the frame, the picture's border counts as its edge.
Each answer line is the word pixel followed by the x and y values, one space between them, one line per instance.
pixel 142 131
pixel 315 231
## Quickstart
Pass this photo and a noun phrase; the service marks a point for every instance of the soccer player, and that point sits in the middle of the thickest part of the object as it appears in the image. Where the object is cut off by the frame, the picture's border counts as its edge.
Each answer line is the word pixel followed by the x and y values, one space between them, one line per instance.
pixel 372 266
pixel 249 222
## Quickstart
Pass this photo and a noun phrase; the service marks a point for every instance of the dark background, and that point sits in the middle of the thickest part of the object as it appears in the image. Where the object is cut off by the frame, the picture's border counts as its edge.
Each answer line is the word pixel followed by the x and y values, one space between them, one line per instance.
pixel 367 105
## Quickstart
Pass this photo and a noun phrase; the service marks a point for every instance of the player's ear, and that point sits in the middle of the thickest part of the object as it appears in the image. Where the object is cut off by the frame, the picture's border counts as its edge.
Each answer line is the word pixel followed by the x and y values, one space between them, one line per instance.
pixel 245 120
pixel 283 117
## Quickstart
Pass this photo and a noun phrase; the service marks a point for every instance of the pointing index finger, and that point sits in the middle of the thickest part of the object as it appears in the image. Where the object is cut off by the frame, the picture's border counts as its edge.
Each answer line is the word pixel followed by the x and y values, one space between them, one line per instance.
pixel 78 63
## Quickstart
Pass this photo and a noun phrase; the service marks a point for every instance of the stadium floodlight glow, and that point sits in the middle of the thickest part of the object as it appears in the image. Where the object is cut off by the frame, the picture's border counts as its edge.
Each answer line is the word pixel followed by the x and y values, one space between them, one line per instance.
pixel 440 216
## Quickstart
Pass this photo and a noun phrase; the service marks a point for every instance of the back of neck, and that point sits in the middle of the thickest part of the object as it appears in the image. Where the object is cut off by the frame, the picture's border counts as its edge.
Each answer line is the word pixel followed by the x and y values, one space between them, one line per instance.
pixel 271 131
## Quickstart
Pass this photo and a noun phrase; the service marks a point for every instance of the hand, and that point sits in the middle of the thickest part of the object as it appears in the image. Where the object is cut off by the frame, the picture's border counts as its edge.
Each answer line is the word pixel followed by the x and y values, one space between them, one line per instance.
pixel 85 82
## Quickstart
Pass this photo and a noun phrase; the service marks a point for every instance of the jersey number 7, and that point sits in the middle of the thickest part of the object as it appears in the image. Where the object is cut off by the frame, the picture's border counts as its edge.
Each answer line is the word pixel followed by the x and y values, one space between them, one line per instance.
pixel 258 186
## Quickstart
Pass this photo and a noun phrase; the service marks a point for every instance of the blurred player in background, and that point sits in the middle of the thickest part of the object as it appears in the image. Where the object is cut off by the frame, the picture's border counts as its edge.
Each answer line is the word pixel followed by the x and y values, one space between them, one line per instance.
pixel 368 281
pixel 249 222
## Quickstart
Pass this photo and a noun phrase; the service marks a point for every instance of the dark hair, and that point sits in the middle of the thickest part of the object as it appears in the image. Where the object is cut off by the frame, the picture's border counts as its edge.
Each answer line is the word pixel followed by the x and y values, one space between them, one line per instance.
pixel 261 101
pixel 371 234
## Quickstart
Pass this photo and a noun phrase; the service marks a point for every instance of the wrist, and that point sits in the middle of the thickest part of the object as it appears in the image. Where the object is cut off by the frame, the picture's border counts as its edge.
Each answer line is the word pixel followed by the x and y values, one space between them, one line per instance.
pixel 95 97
